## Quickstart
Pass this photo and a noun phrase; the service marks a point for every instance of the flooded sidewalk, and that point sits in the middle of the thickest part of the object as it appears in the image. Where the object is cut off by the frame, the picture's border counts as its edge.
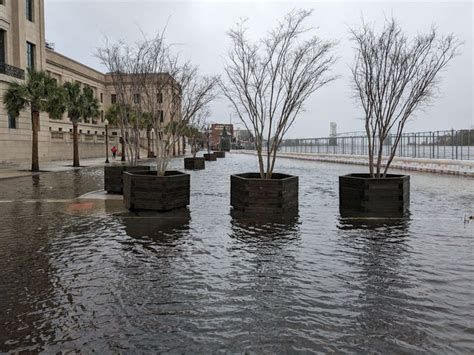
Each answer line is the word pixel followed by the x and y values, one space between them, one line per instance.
pixel 80 273
pixel 57 166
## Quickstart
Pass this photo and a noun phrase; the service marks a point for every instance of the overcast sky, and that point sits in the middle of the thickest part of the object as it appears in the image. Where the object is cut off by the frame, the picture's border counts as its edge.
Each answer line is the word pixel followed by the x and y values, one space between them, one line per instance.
pixel 200 28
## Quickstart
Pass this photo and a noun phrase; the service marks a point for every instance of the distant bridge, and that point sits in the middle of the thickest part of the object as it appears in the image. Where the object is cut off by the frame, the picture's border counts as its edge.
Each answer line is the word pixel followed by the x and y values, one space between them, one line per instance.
pixel 348 134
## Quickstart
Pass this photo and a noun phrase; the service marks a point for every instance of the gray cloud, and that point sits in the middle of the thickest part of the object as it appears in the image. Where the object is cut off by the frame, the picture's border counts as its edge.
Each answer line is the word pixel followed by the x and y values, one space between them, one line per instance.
pixel 199 28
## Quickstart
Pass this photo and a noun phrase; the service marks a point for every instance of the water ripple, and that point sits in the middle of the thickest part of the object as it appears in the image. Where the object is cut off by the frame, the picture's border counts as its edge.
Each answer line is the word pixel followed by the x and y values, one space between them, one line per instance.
pixel 85 275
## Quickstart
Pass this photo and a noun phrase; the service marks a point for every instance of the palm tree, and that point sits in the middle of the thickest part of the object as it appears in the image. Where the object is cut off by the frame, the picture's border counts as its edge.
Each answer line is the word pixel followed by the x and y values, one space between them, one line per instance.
pixel 113 116
pixel 195 136
pixel 78 104
pixel 35 94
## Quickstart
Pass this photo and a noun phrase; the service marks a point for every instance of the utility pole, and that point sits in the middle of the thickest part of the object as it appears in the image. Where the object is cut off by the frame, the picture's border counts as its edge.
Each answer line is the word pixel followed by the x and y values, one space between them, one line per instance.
pixel 106 122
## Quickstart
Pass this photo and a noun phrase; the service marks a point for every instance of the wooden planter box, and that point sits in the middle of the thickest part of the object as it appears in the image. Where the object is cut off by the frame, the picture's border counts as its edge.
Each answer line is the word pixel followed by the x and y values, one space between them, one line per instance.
pixel 194 163
pixel 220 154
pixel 145 190
pixel 251 194
pixel 210 157
pixel 113 177
pixel 363 196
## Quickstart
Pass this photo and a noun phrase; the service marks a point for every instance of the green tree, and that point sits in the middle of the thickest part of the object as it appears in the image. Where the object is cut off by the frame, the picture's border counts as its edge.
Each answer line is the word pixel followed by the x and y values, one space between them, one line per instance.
pixel 113 116
pixel 195 137
pixel 78 103
pixel 36 94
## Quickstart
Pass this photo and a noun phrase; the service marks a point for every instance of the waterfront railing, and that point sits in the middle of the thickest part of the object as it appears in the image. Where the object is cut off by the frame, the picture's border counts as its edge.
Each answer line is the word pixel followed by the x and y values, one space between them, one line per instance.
pixel 452 144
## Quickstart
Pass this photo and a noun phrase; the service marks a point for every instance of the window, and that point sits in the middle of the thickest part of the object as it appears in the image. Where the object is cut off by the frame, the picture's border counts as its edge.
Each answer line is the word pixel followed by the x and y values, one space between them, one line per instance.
pixel 11 121
pixel 2 2
pixel 101 97
pixel 30 55
pixel 136 98
pixel 113 99
pixel 60 129
pixel 29 10
pixel 161 115
pixel 2 46
pixel 159 97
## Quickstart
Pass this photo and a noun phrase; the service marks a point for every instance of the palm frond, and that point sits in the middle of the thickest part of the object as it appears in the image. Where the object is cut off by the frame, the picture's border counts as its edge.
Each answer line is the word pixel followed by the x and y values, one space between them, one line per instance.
pixel 16 98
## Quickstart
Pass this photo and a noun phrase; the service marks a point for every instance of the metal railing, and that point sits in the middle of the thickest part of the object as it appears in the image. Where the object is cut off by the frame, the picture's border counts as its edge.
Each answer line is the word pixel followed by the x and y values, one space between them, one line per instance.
pixel 10 70
pixel 453 144
pixel 58 136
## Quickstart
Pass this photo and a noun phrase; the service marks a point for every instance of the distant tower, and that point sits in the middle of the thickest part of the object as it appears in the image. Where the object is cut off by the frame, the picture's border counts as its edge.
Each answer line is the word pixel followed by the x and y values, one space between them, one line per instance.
pixel 332 134
pixel 333 129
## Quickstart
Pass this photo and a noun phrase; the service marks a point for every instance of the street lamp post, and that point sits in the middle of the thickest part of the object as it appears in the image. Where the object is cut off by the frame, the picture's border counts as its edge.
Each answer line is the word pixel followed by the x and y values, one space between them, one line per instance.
pixel 208 139
pixel 152 132
pixel 106 122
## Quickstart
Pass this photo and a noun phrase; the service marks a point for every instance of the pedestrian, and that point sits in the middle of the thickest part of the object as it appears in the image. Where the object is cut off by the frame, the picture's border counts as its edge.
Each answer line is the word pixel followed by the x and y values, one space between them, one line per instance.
pixel 114 151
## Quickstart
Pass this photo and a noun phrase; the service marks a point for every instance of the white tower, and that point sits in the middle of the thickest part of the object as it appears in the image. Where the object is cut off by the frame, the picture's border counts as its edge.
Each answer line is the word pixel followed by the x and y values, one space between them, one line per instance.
pixel 333 129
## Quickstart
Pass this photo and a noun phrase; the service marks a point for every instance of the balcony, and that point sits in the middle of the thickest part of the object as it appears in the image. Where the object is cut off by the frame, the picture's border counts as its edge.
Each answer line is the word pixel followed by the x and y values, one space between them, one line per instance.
pixel 10 70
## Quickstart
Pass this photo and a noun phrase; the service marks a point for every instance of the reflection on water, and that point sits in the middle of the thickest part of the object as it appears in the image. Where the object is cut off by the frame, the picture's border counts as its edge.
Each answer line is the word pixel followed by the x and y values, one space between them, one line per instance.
pixel 82 274
pixel 156 226
pixel 27 284
pixel 272 229
pixel 397 226
pixel 384 316
pixel 94 207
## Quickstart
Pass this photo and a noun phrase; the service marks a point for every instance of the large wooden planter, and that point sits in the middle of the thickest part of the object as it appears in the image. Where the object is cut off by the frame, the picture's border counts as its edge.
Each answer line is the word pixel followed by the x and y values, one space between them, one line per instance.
pixel 251 194
pixel 363 196
pixel 113 177
pixel 145 190
pixel 220 154
pixel 210 157
pixel 194 163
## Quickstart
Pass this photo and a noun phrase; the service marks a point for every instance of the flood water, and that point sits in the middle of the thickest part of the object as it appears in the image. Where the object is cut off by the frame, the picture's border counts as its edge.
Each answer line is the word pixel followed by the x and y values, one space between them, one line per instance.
pixel 83 274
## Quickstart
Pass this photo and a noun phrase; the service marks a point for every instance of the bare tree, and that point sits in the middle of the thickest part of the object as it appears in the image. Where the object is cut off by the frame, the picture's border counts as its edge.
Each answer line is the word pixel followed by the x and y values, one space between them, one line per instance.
pixel 124 63
pixel 393 77
pixel 195 130
pixel 174 95
pixel 197 93
pixel 269 81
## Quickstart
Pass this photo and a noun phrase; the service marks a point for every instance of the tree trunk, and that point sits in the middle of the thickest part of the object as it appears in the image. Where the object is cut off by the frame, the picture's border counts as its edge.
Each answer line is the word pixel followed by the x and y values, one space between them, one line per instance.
pixel 75 144
pixel 369 148
pixel 35 123
pixel 260 160
pixel 379 157
pixel 194 147
pixel 148 144
pixel 123 149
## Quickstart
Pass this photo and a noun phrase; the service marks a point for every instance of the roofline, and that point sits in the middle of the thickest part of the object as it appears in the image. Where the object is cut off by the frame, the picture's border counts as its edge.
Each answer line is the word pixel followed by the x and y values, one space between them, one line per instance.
pixel 75 61
pixel 103 75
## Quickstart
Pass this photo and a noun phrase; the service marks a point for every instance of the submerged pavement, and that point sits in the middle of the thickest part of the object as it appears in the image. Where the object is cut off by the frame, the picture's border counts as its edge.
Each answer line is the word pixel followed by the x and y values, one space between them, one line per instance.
pixel 82 274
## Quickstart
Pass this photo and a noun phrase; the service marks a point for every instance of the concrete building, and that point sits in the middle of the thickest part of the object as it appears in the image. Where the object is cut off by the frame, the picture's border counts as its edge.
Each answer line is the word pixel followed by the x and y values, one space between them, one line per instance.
pixel 243 139
pixel 216 132
pixel 23 46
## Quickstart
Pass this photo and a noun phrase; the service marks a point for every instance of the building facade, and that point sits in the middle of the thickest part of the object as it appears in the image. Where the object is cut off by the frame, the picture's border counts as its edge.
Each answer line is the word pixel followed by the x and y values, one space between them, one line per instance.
pixel 23 46
pixel 216 133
